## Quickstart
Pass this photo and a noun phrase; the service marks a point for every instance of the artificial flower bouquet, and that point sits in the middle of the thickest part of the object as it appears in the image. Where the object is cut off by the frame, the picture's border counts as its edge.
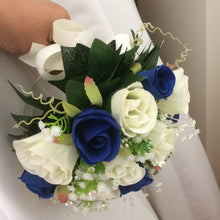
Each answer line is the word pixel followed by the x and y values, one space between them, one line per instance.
pixel 114 131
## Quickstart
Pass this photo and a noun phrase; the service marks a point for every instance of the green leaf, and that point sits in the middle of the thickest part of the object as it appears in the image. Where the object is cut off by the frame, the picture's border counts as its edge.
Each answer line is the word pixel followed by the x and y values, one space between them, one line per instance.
pixel 102 61
pixel 29 100
pixel 108 87
pixel 133 34
pixel 140 148
pixel 33 126
pixel 130 55
pixel 142 58
pixel 99 168
pixel 112 44
pixel 68 55
pixel 76 94
pixel 149 58
pixel 75 60
pixel 70 110
pixel 59 84
pixel 66 139
pixel 152 58
pixel 126 61
pixel 81 60
pixel 91 185
pixel 92 92
pixel 129 79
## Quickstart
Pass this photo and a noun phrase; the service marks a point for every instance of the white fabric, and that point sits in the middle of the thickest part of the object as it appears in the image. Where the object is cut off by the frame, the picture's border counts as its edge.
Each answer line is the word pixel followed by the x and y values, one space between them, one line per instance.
pixel 16 201
pixel 189 188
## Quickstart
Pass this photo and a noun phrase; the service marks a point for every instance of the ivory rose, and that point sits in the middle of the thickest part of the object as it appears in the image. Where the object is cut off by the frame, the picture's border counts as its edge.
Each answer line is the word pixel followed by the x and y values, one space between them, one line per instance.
pixel 52 162
pixel 126 171
pixel 137 186
pixel 134 109
pixel 178 102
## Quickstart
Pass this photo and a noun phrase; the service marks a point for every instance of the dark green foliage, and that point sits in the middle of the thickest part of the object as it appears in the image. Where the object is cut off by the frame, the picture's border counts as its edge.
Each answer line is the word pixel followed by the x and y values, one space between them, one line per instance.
pixel 33 126
pixel 112 44
pixel 29 100
pixel 75 61
pixel 99 168
pixel 140 149
pixel 109 68
pixel 149 58
pixel 125 63
pixel 68 55
pixel 102 61
pixel 76 95
pixel 130 78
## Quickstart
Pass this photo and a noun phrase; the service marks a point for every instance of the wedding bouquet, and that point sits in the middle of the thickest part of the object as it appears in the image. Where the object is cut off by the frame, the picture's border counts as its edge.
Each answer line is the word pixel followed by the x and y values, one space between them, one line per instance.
pixel 116 128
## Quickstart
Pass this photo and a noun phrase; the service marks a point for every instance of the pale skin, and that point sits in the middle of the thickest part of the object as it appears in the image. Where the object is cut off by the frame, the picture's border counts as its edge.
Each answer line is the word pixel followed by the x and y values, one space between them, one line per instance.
pixel 25 21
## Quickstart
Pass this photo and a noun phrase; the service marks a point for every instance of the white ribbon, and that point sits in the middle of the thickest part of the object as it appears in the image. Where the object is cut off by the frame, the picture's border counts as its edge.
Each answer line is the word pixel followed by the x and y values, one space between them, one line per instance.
pixel 49 58
pixel 68 33
pixel 30 57
pixel 65 33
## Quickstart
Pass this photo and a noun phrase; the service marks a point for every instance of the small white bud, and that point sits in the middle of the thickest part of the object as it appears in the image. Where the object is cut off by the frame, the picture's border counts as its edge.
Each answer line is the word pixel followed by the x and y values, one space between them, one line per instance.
pixel 87 176
pixel 41 125
pixel 56 131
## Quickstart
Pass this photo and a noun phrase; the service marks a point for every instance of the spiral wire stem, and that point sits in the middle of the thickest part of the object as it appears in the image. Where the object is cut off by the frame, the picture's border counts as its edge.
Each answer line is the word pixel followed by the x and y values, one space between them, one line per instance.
pixel 149 27
pixel 40 98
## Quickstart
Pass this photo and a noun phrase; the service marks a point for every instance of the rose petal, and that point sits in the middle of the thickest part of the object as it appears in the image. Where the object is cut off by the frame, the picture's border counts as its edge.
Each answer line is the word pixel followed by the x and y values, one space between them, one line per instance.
pixel 57 160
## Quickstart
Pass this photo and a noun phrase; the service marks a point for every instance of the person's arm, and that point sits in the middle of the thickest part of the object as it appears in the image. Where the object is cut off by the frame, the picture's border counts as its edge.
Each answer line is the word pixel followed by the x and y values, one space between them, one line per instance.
pixel 25 21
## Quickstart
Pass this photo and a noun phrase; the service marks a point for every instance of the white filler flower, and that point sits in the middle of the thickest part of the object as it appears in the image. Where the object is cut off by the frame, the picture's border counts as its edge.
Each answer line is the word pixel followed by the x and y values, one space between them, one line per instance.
pixel 104 192
pixel 134 109
pixel 50 161
pixel 125 170
pixel 178 102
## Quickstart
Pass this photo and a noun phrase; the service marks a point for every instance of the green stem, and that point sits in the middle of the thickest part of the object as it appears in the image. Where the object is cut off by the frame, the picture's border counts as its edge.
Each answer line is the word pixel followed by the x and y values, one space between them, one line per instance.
pixel 136 68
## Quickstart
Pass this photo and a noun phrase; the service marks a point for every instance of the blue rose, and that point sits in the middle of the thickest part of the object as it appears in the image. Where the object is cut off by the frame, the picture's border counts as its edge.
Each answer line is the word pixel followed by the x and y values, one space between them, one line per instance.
pixel 96 135
pixel 160 81
pixel 38 185
pixel 137 186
